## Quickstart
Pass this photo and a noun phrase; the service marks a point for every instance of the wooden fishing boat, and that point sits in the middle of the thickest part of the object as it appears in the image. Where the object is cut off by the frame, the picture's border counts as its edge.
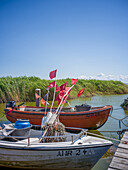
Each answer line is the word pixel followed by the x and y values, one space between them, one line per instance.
pixel 68 151
pixel 93 118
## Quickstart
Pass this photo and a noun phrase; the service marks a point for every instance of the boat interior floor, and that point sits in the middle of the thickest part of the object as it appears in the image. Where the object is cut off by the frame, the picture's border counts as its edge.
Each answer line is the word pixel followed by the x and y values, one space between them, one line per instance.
pixel 66 109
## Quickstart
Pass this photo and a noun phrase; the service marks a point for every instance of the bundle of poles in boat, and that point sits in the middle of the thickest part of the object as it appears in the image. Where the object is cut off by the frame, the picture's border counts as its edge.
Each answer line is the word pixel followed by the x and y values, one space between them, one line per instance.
pixel 50 122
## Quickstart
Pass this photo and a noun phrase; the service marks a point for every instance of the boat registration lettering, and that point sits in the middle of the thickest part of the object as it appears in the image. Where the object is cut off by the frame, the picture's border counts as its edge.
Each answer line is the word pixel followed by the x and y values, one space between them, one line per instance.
pixel 77 152
pixel 93 114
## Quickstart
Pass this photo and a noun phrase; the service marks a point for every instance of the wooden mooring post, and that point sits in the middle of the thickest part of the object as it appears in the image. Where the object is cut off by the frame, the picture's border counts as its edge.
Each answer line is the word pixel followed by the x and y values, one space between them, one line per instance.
pixel 38 91
pixel 120 158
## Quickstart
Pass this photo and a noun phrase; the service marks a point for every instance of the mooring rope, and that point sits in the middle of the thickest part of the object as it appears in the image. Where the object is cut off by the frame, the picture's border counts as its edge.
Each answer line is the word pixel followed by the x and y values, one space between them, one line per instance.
pixel 120 120
pixel 118 108
pixel 117 140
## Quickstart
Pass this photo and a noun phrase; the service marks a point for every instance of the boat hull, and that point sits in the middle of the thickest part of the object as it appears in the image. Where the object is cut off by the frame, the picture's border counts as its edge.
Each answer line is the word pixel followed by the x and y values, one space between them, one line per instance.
pixel 67 158
pixel 92 119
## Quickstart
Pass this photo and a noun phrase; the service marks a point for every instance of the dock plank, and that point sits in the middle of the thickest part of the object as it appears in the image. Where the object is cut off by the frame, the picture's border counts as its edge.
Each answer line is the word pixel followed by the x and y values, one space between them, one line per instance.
pixel 122 150
pixel 121 155
pixel 124 139
pixel 119 166
pixel 125 136
pixel 120 158
pixel 111 169
pixel 125 146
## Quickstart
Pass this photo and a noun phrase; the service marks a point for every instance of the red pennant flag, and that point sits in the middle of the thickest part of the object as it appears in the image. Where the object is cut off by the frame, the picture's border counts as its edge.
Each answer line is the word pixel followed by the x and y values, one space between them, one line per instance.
pixel 59 97
pixel 68 89
pixel 61 94
pixel 64 100
pixel 63 86
pixel 37 96
pixel 52 74
pixel 80 92
pixel 74 81
pixel 52 84
pixel 43 101
pixel 57 88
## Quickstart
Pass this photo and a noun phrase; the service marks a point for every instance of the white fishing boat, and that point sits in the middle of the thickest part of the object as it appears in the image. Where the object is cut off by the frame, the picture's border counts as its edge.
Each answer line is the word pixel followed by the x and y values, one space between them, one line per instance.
pixel 68 151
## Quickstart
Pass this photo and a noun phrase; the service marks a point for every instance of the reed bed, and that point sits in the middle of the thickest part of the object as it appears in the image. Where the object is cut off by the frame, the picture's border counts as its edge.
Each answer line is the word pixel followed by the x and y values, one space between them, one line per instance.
pixel 23 88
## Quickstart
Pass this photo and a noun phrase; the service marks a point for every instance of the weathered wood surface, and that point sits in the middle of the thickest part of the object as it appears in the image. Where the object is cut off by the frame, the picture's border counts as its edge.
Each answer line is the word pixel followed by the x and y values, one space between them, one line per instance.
pixel 120 159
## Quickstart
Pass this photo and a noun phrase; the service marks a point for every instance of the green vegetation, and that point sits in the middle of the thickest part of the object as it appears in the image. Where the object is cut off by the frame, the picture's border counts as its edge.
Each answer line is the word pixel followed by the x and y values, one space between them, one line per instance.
pixel 23 88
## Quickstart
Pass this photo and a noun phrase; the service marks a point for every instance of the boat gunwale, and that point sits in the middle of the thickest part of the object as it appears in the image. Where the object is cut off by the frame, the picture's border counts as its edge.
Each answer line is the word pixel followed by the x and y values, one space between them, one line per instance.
pixel 47 147
pixel 104 108
pixel 56 149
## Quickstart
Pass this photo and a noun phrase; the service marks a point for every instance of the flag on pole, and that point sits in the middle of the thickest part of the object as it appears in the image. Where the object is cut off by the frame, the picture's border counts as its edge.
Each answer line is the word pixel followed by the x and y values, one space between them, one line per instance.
pixel 52 74
pixel 43 101
pixel 74 81
pixel 63 86
pixel 67 91
pixel 80 92
pixel 59 97
pixel 52 84
pixel 57 88
pixel 37 96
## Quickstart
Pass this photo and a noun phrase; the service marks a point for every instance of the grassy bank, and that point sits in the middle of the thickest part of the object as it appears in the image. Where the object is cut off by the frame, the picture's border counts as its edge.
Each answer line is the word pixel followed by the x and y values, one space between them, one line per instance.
pixel 23 88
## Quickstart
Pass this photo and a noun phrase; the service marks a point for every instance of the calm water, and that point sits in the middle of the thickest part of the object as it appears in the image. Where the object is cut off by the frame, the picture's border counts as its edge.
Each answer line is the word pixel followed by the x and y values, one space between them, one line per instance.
pixel 110 125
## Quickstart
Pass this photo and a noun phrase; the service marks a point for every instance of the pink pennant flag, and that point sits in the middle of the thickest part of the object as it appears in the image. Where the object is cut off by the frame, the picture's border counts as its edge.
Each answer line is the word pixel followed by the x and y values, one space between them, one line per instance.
pixel 80 92
pixel 74 81
pixel 52 74
pixel 63 86
pixel 37 96
pixel 43 101
pixel 68 89
pixel 61 94
pixel 52 84
pixel 59 97
pixel 57 88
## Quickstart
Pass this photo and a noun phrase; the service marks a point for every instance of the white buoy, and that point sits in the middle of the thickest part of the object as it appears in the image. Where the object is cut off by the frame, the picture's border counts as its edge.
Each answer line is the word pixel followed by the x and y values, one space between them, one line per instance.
pixel 52 119
pixel 45 119
pixel 49 115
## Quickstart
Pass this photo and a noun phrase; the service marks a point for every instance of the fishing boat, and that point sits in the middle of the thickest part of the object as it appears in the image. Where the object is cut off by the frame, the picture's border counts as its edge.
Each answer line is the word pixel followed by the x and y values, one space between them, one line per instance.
pixel 81 117
pixel 58 151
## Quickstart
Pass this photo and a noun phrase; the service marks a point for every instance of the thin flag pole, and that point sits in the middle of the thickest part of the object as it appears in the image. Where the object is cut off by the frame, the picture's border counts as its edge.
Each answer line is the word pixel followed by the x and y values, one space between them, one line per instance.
pixel 53 96
pixel 46 102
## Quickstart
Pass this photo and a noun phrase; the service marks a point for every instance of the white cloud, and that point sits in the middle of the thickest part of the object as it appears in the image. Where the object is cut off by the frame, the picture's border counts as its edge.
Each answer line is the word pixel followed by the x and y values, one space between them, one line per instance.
pixel 102 76
pixel 83 77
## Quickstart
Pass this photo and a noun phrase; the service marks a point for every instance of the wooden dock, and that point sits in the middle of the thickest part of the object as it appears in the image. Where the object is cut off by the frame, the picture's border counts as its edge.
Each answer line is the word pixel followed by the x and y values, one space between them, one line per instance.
pixel 120 158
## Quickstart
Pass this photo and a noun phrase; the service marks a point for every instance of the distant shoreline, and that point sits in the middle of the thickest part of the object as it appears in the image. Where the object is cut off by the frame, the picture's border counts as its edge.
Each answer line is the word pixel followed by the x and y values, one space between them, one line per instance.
pixel 23 88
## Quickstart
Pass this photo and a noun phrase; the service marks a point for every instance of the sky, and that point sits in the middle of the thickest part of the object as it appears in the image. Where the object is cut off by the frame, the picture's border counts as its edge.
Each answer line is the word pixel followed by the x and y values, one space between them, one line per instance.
pixel 80 38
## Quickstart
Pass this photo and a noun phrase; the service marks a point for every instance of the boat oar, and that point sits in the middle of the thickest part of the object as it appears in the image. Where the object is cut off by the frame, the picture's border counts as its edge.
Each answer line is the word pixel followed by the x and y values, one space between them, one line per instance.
pixel 14 108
